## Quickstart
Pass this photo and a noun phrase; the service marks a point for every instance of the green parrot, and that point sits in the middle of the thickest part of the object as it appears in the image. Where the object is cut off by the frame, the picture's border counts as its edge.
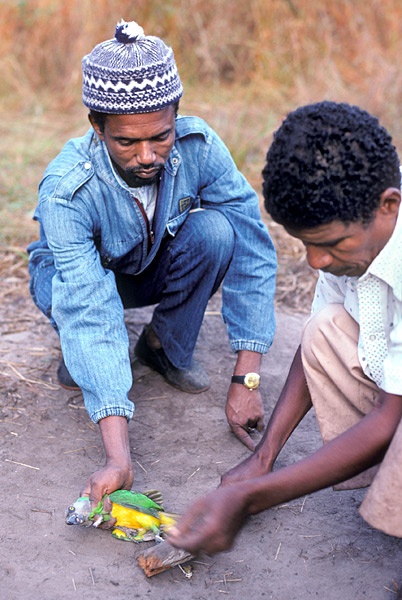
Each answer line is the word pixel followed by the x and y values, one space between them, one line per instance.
pixel 134 517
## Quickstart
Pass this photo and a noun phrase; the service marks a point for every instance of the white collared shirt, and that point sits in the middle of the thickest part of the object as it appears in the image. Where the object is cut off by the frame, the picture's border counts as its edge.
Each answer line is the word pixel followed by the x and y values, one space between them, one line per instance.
pixel 374 300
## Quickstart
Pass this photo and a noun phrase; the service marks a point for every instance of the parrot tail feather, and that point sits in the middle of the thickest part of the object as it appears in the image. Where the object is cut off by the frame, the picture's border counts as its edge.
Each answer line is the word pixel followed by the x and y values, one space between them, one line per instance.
pixel 167 520
pixel 155 496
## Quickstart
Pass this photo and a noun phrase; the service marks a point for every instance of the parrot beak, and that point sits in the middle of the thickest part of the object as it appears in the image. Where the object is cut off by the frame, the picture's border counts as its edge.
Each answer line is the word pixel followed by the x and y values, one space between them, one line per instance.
pixel 75 519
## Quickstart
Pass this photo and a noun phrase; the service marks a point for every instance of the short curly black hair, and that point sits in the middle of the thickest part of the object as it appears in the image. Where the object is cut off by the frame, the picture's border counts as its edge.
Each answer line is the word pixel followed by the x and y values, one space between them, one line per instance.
pixel 328 162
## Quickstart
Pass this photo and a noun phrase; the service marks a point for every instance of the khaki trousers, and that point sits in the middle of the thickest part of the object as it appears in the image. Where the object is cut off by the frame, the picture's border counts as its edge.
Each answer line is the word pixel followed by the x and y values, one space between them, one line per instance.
pixel 342 394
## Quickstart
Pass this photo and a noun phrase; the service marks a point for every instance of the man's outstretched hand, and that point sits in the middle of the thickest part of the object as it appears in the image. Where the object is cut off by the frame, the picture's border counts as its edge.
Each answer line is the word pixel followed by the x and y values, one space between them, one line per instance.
pixel 244 411
pixel 210 525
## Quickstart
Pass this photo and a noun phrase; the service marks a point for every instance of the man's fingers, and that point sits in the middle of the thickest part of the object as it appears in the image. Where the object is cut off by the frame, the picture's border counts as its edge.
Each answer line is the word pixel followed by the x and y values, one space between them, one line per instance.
pixel 192 534
pixel 243 436
pixel 191 541
pixel 260 424
pixel 193 516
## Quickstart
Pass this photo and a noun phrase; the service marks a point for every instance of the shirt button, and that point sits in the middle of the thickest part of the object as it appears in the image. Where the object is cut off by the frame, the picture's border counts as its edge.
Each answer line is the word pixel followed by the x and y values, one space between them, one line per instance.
pixel 372 337
pixel 87 165
pixel 175 161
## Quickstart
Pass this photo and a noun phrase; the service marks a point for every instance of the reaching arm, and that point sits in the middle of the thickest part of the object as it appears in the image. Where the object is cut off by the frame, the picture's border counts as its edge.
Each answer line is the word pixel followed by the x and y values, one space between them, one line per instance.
pixel 212 523
pixel 117 473
pixel 293 404
pixel 352 452
pixel 244 409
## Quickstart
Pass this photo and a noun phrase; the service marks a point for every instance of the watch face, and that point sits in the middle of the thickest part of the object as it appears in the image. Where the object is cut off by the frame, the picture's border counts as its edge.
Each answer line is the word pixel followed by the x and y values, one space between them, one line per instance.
pixel 252 380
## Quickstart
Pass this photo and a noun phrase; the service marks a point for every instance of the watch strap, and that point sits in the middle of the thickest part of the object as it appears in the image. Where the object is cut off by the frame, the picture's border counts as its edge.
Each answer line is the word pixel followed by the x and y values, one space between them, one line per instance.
pixel 250 380
pixel 238 379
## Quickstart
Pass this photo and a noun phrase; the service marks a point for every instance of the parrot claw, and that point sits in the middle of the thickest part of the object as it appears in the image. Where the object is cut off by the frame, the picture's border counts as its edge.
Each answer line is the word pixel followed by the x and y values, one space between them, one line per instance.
pixel 97 520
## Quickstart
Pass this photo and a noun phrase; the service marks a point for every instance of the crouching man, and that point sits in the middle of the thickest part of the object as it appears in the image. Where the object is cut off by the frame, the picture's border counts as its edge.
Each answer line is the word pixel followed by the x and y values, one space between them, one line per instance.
pixel 148 208
pixel 332 180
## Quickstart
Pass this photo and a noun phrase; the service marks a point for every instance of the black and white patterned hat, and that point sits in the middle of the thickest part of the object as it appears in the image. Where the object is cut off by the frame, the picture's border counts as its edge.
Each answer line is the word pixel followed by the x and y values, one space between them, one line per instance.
pixel 132 73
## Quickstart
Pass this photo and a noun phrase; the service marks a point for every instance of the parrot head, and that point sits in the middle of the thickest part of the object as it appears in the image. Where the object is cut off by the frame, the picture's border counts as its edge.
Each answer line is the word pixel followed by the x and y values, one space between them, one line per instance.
pixel 79 513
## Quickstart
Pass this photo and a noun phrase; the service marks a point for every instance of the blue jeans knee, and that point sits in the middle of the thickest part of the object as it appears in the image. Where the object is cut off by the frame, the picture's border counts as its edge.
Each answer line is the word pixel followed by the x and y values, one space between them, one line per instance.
pixel 42 270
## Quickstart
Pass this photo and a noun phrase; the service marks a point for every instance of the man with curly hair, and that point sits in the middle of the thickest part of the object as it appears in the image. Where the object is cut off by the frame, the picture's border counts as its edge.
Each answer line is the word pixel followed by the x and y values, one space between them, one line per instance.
pixel 332 180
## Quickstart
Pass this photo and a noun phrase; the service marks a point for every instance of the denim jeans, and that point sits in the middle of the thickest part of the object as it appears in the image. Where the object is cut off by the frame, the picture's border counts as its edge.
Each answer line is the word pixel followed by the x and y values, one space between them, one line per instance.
pixel 185 273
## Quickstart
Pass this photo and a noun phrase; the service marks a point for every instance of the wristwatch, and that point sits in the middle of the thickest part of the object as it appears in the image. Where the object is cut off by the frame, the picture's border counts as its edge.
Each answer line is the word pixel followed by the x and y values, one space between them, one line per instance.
pixel 250 380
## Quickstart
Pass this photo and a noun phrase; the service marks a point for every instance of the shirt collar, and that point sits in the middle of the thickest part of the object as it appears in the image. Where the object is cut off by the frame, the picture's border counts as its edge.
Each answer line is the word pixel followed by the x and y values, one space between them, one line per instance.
pixel 387 265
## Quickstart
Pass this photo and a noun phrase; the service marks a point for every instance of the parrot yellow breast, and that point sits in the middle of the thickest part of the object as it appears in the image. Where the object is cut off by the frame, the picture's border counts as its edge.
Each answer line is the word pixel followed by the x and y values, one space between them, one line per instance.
pixel 129 517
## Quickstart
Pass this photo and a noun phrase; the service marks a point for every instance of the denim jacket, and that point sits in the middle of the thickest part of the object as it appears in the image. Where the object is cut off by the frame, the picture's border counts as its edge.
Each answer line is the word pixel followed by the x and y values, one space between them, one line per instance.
pixel 91 226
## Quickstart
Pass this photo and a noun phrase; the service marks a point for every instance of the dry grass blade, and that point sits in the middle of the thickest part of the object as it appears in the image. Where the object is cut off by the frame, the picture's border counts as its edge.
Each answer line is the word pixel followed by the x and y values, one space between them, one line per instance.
pixel 79 449
pixel 21 464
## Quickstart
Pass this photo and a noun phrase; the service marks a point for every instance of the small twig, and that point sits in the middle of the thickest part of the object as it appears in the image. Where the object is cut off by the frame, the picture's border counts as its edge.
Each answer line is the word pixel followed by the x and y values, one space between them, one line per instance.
pixel 141 467
pixel 73 553
pixel 78 449
pixel 192 474
pixel 389 590
pixel 48 512
pixel 21 464
pixel 75 589
pixel 304 502
pixel 91 574
pixel 255 530
pixel 279 549
pixel 35 381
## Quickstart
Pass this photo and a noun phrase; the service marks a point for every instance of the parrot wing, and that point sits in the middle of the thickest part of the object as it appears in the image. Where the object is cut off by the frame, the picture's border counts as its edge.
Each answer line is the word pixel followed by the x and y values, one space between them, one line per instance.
pixel 156 496
pixel 136 501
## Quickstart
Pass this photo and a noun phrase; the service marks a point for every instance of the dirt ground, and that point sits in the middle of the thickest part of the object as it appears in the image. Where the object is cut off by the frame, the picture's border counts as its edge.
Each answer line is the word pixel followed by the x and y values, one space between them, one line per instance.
pixel 315 547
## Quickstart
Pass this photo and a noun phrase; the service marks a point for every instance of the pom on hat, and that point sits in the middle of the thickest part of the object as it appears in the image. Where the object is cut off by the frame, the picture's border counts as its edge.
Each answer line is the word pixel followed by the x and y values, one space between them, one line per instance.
pixel 131 73
pixel 126 33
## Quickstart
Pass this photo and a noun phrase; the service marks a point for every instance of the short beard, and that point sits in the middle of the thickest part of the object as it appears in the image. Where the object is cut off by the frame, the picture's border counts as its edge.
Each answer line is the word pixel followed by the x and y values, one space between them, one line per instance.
pixel 134 180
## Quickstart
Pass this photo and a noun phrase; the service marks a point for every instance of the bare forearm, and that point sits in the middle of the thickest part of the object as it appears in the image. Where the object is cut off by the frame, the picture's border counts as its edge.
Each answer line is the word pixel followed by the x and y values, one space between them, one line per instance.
pixel 357 449
pixel 118 471
pixel 293 404
pixel 114 431
pixel 247 362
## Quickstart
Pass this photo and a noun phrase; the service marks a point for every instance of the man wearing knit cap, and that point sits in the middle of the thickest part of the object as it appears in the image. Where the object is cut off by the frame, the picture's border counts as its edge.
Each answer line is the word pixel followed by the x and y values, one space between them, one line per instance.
pixel 148 208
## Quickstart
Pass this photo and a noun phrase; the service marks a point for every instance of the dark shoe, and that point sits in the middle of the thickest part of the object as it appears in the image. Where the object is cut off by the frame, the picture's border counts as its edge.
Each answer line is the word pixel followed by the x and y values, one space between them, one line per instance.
pixel 64 378
pixel 192 380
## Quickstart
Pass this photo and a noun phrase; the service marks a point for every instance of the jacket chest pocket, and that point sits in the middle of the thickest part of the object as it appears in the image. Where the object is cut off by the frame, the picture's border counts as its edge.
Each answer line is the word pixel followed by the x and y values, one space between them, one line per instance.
pixel 174 224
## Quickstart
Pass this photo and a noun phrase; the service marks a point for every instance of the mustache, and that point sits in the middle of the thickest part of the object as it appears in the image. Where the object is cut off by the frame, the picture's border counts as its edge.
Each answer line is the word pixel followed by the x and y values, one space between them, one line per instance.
pixel 136 170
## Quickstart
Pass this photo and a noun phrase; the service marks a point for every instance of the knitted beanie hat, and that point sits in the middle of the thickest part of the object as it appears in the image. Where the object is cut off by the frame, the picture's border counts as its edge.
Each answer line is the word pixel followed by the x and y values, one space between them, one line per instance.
pixel 132 73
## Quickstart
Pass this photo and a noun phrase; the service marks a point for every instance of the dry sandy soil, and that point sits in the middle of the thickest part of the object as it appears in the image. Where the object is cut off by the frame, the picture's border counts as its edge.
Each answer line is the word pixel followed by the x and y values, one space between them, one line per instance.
pixel 315 547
